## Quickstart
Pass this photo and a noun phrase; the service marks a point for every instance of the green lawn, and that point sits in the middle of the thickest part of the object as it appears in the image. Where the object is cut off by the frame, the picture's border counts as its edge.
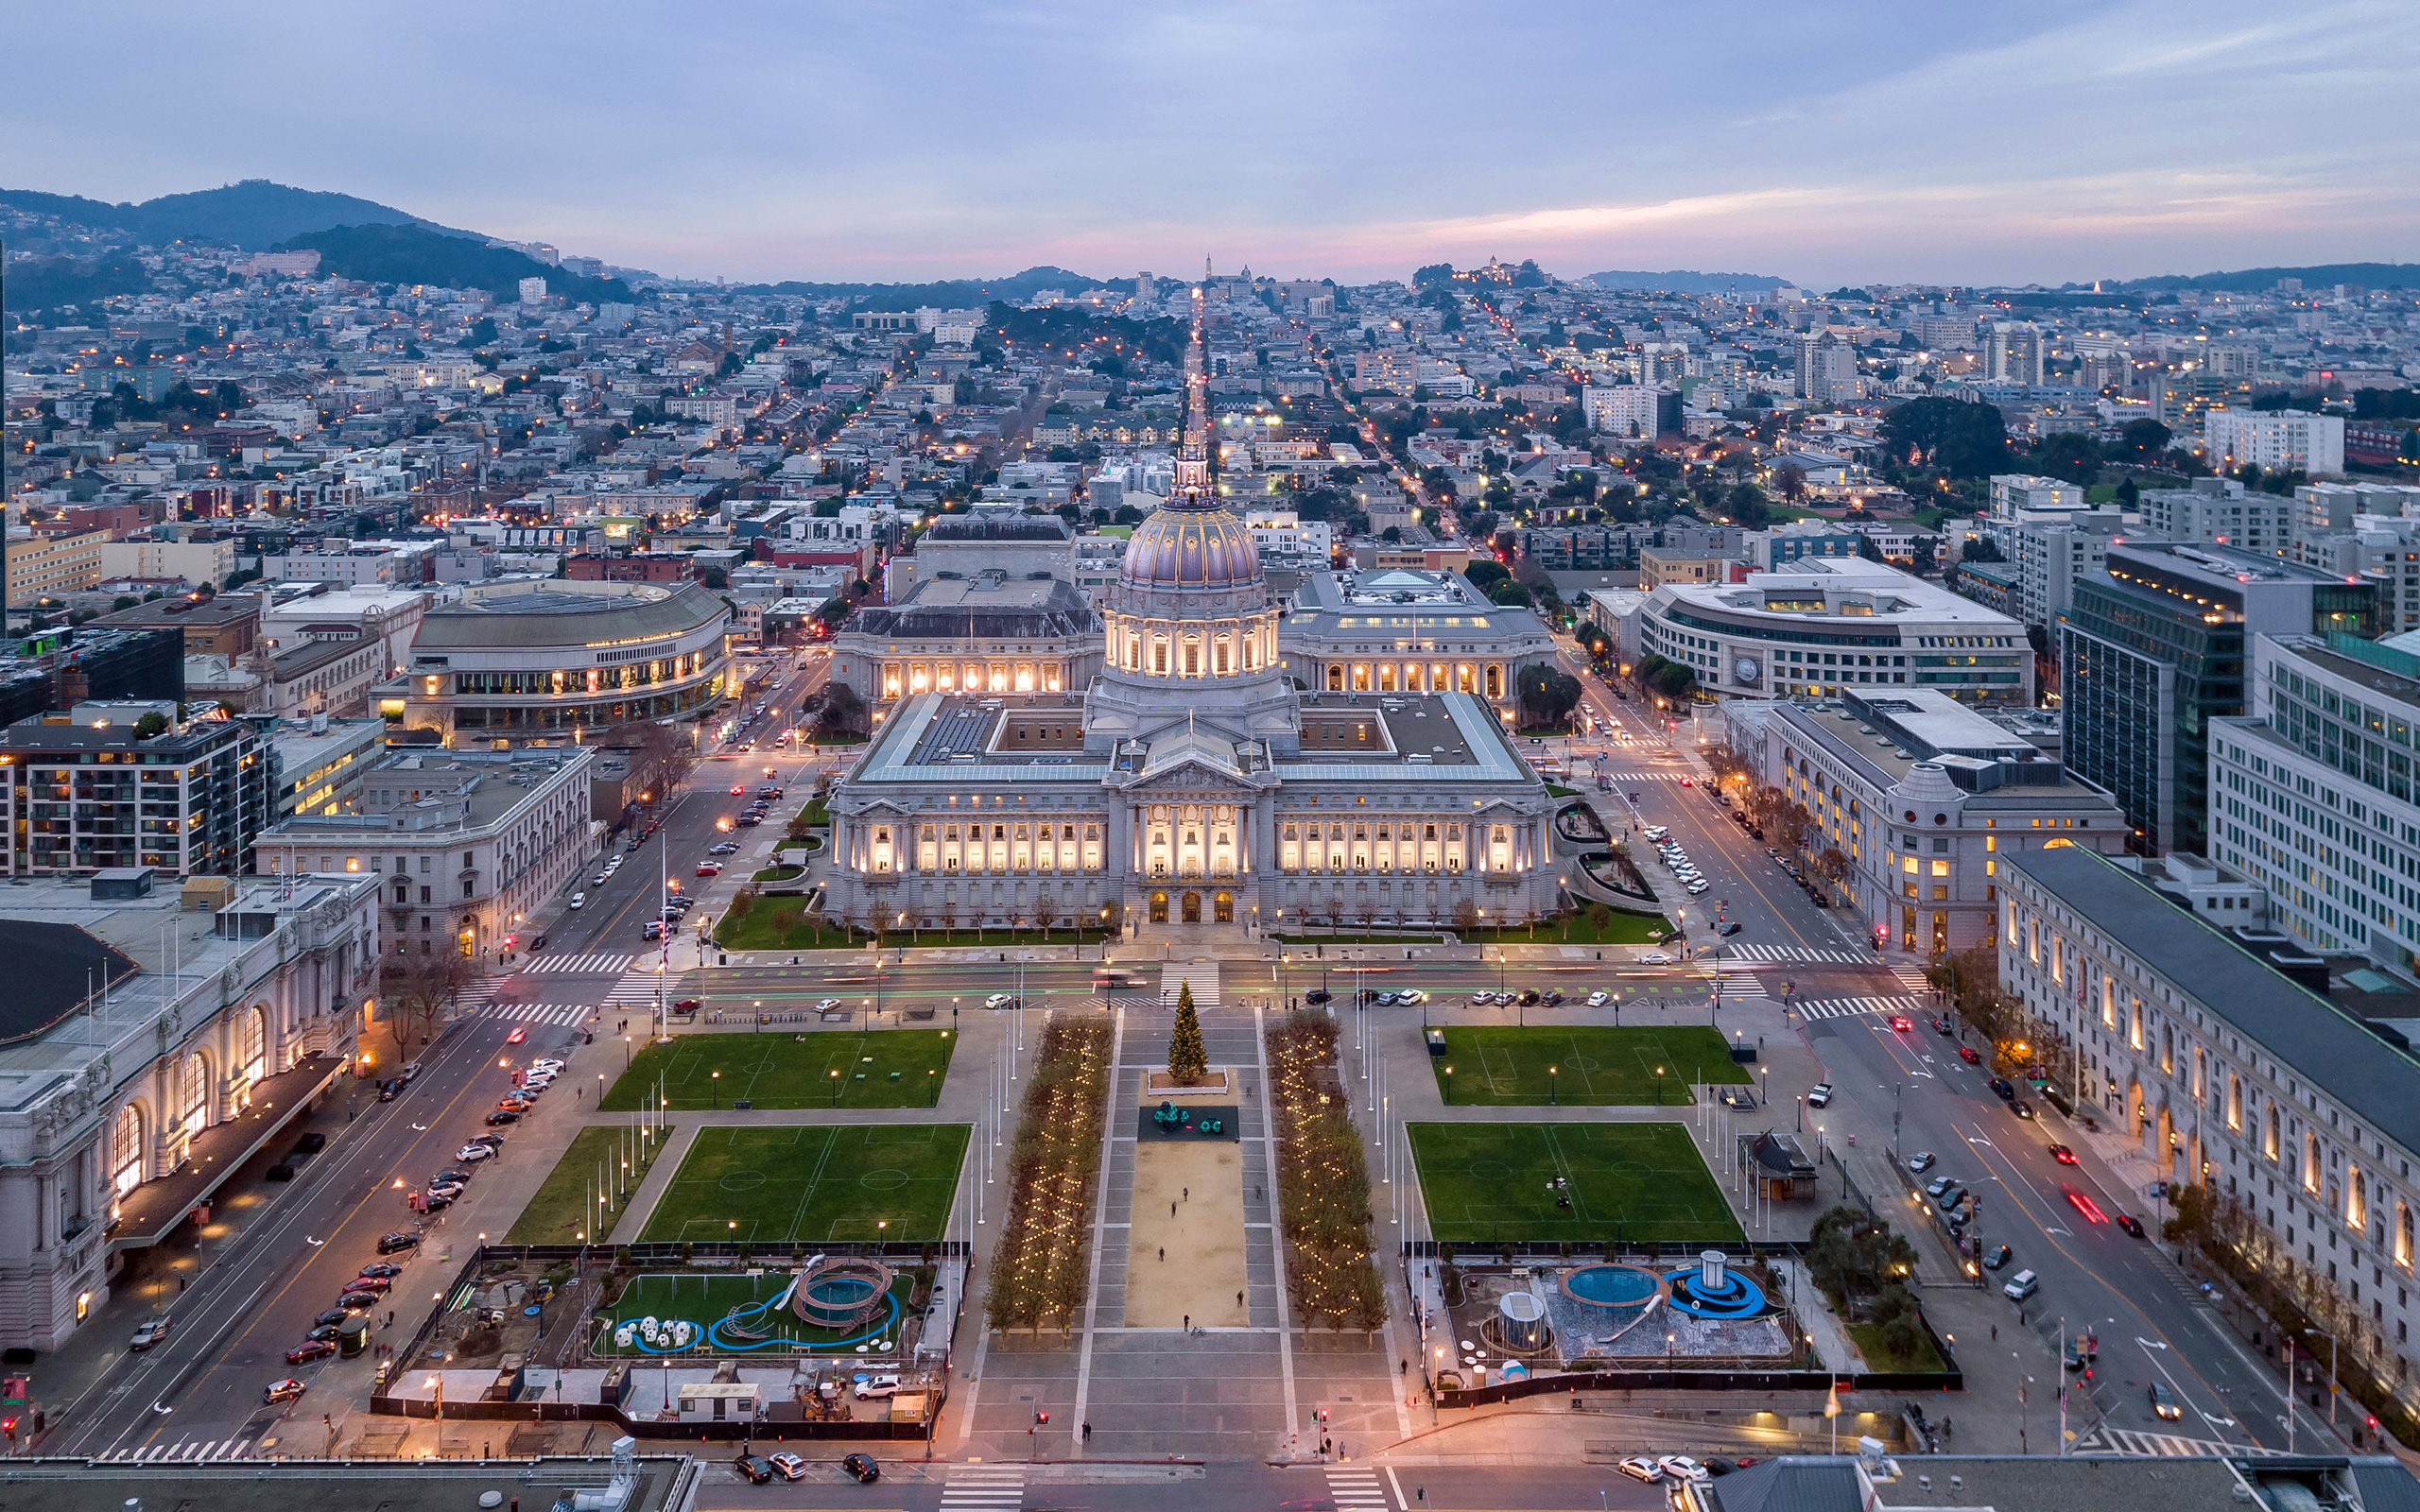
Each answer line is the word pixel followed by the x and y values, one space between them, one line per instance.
pixel 880 1067
pixel 1868 1338
pixel 808 1185
pixel 1575 929
pixel 704 1300
pixel 554 1215
pixel 1629 1183
pixel 775 924
pixel 1506 1067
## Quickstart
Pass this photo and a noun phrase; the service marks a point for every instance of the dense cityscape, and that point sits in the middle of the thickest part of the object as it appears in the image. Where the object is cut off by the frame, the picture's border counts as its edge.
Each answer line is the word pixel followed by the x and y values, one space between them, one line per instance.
pixel 1927 768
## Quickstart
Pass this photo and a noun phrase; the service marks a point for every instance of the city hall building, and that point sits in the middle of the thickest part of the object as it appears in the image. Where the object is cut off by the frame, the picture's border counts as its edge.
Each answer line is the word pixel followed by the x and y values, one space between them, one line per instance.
pixel 1195 779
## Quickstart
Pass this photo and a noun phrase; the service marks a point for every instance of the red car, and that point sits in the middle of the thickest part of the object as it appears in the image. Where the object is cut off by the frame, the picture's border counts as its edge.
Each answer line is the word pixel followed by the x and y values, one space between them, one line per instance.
pixel 2063 1155
pixel 517 1036
pixel 1968 1054
pixel 1902 1023
pixel 738 789
pixel 310 1349
pixel 1685 782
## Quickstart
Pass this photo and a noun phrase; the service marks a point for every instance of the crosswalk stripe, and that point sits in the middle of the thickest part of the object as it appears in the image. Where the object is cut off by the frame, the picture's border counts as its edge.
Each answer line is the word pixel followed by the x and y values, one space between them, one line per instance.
pixel 548 1013
pixel 1843 1007
pixel 2171 1446
pixel 590 964
pixel 1801 953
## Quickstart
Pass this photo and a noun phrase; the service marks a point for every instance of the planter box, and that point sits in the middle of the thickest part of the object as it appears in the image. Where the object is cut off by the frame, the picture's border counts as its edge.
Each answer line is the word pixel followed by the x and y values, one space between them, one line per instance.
pixel 1213 1084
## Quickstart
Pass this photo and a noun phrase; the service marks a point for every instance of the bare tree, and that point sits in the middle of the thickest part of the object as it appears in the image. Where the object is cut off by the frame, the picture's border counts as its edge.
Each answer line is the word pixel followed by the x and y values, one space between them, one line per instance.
pixel 1466 916
pixel 1044 913
pixel 419 988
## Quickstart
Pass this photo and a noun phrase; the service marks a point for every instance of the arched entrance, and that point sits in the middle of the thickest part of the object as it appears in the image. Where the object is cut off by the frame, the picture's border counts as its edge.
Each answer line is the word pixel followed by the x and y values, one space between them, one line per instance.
pixel 1222 908
pixel 1193 908
pixel 1160 907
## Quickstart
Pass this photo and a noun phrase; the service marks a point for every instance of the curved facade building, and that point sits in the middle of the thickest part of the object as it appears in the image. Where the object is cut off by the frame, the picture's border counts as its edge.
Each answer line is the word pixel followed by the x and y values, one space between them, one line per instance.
pixel 516 662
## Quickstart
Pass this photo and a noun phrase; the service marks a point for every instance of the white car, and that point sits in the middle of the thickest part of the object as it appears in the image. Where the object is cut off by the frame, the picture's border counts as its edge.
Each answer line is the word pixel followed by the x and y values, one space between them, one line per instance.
pixel 579 900
pixel 1681 1467
pixel 1597 1000
pixel 1653 958
pixel 878 1386
pixel 1696 887
pixel 474 1153
pixel 999 1000
pixel 548 1066
pixel 1656 832
pixel 1639 1467
pixel 828 1004
pixel 1413 998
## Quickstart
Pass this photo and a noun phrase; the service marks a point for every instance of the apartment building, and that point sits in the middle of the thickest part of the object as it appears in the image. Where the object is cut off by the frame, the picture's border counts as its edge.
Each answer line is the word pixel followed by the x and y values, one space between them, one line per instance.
pixel 45 566
pixel 195 562
pixel 1627 410
pixel 2221 511
pixel 2273 441
pixel 84 796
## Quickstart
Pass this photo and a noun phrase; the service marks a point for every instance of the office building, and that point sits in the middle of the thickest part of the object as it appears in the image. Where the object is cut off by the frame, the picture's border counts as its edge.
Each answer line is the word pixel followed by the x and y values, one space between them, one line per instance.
pixel 43 565
pixel 2221 511
pixel 514 663
pixel 319 763
pixel 989 633
pixel 2311 793
pixel 2273 441
pixel 464 846
pixel 1776 549
pixel 88 796
pixel 1824 625
pixel 1002 539
pixel 205 564
pixel 1923 798
pixel 2156 648
pixel 2019 493
pixel 2384 549
pixel 2049 553
pixel 244 1001
pixel 222 625
pixel 2220 1071
pixel 2337 506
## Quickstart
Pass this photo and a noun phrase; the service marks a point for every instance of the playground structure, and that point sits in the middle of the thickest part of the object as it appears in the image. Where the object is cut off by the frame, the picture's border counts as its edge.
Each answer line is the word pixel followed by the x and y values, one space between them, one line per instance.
pixel 839 1302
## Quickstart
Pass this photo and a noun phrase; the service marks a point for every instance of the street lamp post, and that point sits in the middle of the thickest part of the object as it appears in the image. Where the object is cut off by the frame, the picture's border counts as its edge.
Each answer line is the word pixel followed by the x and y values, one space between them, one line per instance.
pixel 716 1090
pixel 835 1089
pixel 2332 1380
pixel 1554 1100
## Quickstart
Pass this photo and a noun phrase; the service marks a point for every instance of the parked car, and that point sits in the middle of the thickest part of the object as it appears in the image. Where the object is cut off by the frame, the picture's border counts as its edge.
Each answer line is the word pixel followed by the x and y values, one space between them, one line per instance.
pixel 756 1468
pixel 1998 1256
pixel 149 1333
pixel 1639 1467
pixel 390 1243
pixel 1921 1161
pixel 1969 1055
pixel 1653 958
pixel 875 1387
pixel 280 1171
pixel 2021 1286
pixel 1679 1467
pixel 1597 1000
pixel 1821 1095
pixel 2003 1088
pixel 286 1390
pixel 382 1270
pixel 862 1467
pixel 475 1153
pixel 501 1116
pixel 2021 1107
pixel 1940 1026
pixel 789 1466
pixel 369 1283
pixel 311 1143
pixel 826 1004
pixel 310 1349
pixel 1940 1186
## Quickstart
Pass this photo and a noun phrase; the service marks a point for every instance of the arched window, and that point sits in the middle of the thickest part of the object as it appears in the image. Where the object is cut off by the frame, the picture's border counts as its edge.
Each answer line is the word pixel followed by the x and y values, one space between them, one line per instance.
pixel 2403 1235
pixel 126 1149
pixel 2357 1199
pixel 2310 1162
pixel 193 1092
pixel 255 1051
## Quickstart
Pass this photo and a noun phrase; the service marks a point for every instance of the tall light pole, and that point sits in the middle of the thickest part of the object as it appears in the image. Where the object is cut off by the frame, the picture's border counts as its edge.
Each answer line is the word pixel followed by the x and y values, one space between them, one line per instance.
pixel 2332 1380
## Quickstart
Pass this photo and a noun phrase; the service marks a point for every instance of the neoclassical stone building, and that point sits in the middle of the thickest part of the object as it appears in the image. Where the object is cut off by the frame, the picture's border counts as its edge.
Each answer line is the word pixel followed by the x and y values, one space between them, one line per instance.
pixel 1195 779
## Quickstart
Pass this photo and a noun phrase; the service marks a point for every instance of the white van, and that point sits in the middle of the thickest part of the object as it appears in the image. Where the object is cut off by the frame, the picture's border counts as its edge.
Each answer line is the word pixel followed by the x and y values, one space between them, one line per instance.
pixel 2022 1285
pixel 579 901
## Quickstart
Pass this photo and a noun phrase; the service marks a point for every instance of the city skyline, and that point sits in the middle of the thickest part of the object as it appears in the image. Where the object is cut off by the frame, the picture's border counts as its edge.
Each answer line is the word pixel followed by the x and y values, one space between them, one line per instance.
pixel 2071 144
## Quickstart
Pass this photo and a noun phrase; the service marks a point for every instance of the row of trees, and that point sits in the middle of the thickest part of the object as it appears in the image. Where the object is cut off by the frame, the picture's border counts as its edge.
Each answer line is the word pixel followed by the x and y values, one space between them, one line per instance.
pixel 1043 1267
pixel 1323 1180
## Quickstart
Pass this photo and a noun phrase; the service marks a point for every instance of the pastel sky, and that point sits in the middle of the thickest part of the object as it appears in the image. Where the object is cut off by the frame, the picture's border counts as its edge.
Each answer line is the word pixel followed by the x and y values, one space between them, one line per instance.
pixel 1847 142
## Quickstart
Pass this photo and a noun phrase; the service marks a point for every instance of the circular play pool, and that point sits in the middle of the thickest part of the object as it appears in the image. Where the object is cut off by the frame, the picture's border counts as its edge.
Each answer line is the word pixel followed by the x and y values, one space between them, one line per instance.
pixel 1624 1288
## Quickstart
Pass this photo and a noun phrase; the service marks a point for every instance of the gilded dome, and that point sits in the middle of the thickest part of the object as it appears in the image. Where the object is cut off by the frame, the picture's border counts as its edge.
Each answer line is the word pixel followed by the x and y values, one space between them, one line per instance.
pixel 1185 546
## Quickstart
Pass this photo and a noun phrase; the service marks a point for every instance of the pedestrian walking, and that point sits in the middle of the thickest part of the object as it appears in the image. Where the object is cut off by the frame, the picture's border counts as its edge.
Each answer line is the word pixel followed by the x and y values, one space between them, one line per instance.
pixel 1995 1333
pixel 1088 1433
pixel 1188 1193
pixel 1171 1209
pixel 1188 1322
pixel 1240 1298
pixel 1164 1252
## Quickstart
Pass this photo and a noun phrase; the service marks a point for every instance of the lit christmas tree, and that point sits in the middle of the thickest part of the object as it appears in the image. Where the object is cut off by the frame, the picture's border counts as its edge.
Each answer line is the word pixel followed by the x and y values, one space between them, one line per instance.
pixel 1187 1060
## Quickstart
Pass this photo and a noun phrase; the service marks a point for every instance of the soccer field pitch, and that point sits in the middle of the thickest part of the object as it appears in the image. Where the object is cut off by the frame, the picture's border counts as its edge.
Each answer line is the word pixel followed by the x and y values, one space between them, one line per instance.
pixel 1628 1184
pixel 812 1185
pixel 1503 1066
pixel 882 1068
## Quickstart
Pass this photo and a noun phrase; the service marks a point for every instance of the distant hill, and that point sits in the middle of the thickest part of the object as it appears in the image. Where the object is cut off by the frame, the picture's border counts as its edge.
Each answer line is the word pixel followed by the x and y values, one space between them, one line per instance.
pixel 254 215
pixel 948 294
pixel 2253 280
pixel 46 282
pixel 416 254
pixel 1684 281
